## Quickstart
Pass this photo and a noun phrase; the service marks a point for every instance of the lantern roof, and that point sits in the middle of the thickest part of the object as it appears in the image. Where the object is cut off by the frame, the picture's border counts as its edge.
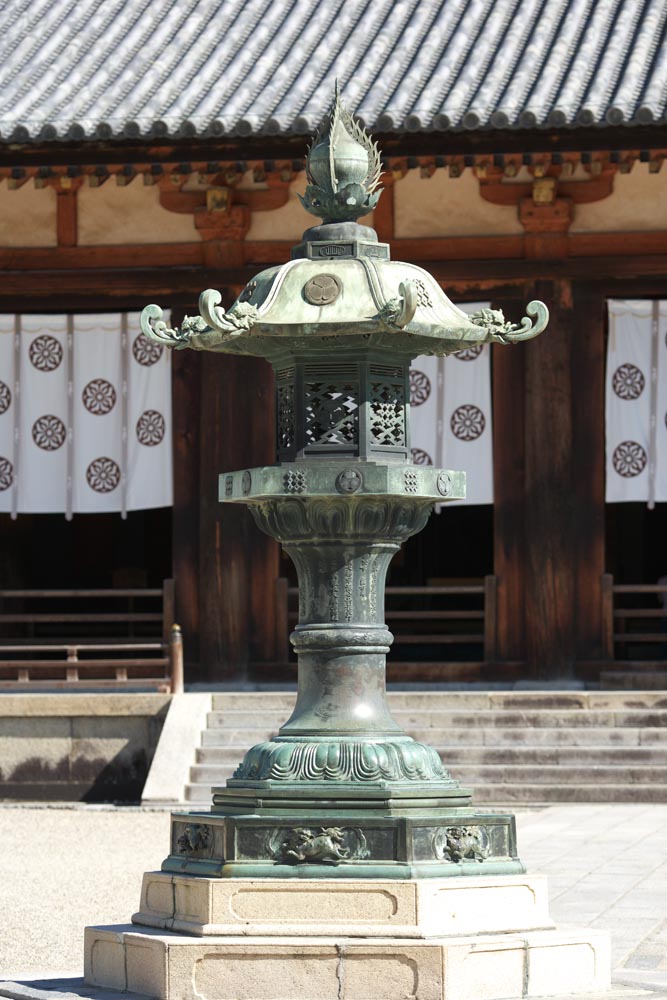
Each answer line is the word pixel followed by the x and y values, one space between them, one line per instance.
pixel 341 281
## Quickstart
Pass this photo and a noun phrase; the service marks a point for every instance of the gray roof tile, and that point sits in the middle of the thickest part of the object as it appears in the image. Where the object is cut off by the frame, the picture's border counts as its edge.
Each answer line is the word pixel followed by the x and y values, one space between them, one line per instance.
pixel 104 69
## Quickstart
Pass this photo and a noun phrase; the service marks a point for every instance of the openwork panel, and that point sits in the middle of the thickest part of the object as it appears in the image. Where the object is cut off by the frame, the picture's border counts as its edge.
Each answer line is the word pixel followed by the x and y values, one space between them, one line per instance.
pixel 332 413
pixel 387 420
pixel 285 417
pixel 285 412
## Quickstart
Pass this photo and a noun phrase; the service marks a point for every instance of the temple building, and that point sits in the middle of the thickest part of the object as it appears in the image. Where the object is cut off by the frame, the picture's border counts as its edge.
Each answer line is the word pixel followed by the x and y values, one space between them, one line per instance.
pixel 152 151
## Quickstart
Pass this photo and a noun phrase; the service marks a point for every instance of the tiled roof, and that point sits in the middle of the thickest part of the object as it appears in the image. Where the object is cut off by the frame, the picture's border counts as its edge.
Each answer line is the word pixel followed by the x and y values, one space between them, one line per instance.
pixel 131 69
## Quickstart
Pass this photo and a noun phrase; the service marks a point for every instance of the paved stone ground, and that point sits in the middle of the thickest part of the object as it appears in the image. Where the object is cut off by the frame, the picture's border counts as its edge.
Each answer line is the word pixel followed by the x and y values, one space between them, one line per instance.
pixel 64 867
pixel 607 868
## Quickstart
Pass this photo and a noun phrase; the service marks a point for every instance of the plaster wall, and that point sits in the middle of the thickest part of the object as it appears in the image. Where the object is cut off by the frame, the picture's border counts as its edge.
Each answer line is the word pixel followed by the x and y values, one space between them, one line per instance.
pixel 91 747
pixel 446 206
pixel 113 215
pixel 286 223
pixel 27 216
pixel 290 221
pixel 638 202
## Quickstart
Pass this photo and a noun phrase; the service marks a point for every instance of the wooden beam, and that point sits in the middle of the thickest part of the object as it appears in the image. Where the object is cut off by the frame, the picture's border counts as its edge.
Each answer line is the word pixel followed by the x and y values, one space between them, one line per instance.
pixel 593 255
pixel 231 150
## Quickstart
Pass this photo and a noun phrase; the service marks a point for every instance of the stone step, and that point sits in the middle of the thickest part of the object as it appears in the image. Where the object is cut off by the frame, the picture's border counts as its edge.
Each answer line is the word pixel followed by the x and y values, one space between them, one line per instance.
pixel 495 737
pixel 232 755
pixel 509 746
pixel 236 735
pixel 492 774
pixel 573 718
pixel 508 793
pixel 268 720
pixel 627 680
pixel 246 701
pixel 560 736
pixel 497 774
pixel 194 792
pixel 282 703
pixel 549 718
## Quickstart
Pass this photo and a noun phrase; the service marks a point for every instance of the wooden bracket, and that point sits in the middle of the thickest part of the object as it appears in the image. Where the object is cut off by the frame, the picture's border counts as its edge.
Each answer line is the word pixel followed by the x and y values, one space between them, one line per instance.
pixel 223 211
pixel 493 187
pixel 546 223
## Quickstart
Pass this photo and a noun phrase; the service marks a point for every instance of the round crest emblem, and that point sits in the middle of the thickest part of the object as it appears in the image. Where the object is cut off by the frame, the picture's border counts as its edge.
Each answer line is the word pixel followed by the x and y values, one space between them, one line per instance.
pixel 420 387
pixel 6 473
pixel 45 353
pixel 99 397
pixel 444 484
pixel 629 459
pixel 246 483
pixel 348 481
pixel 49 433
pixel 5 397
pixel 322 290
pixel 150 428
pixel 628 381
pixel 467 422
pixel 421 457
pixel 103 475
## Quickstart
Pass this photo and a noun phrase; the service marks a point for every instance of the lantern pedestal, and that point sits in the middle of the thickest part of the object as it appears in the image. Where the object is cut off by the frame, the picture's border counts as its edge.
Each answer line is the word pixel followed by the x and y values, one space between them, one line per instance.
pixel 474 938
pixel 342 861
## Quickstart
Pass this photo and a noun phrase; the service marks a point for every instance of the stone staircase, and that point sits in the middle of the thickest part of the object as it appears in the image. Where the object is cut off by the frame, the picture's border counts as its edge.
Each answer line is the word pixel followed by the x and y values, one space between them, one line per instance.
pixel 527 747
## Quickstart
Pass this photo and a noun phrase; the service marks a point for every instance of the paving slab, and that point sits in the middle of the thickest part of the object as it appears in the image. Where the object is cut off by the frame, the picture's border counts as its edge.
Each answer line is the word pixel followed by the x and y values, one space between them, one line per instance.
pixel 68 988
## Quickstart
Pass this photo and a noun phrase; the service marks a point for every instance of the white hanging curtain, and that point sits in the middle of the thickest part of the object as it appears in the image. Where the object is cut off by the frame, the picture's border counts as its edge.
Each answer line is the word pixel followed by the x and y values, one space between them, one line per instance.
pixel 636 401
pixel 85 415
pixel 450 415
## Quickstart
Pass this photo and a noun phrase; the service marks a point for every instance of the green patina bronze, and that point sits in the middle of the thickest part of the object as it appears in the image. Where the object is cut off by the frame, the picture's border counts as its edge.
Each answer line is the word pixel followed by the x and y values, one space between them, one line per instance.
pixel 341 790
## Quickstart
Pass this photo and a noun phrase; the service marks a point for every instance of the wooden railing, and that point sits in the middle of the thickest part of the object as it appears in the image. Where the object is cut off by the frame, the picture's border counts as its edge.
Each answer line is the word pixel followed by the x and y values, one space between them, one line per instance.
pixel 634 626
pixel 61 645
pixel 437 619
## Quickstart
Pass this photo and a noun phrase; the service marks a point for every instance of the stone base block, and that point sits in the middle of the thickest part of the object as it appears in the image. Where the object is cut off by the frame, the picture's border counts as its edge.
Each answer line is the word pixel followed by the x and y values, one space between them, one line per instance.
pixel 169 966
pixel 344 907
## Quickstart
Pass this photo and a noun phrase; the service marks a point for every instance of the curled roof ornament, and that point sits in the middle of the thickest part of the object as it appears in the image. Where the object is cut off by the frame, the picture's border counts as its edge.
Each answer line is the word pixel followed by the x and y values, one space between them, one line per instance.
pixel 343 168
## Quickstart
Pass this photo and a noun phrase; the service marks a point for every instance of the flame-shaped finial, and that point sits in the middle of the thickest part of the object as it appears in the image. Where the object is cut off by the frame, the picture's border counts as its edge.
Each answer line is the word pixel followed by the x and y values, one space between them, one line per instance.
pixel 343 167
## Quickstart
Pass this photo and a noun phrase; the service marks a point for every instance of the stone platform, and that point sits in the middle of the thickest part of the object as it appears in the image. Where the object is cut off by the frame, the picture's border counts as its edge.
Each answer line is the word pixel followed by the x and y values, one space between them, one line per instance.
pixel 348 907
pixel 468 938
pixel 490 967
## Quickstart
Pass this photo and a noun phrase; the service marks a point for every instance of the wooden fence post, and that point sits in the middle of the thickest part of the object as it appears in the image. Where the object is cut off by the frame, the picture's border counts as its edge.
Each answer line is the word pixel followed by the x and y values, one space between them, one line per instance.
pixel 168 613
pixel 607 592
pixel 176 658
pixel 490 619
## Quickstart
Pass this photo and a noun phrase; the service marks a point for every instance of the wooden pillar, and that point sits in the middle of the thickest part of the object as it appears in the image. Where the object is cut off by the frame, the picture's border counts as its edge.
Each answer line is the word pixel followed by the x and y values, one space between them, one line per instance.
pixel 549 485
pixel 509 493
pixel 238 564
pixel 588 469
pixel 185 525
pixel 550 509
